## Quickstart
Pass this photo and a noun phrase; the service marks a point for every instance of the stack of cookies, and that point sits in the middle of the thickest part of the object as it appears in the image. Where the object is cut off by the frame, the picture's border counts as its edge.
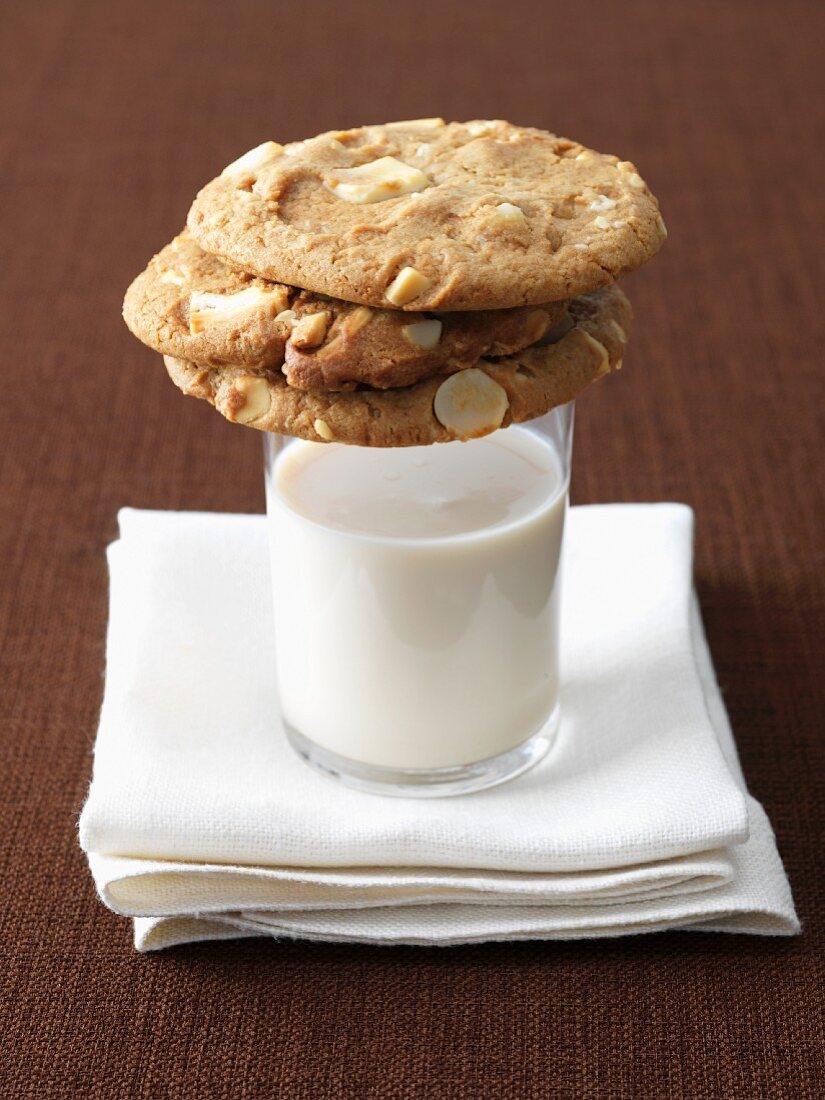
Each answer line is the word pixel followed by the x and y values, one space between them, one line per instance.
pixel 402 284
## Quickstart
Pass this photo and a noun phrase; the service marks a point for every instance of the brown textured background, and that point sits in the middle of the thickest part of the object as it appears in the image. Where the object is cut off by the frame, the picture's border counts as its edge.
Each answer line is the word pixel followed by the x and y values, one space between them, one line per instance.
pixel 112 115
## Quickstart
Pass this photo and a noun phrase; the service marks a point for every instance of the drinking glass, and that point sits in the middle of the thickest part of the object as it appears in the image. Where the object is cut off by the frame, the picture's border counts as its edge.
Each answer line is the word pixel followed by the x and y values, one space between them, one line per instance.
pixel 421 664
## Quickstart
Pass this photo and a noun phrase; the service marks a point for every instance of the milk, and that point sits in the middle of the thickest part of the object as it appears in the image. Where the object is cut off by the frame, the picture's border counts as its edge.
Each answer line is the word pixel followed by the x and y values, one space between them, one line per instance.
pixel 416 596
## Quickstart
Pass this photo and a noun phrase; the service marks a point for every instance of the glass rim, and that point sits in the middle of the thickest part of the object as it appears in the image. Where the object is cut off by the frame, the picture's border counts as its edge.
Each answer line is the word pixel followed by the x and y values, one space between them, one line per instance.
pixel 400 541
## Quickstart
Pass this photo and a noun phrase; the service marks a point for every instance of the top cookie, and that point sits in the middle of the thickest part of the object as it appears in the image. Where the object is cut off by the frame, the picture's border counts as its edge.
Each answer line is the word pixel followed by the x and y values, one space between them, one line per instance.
pixel 428 215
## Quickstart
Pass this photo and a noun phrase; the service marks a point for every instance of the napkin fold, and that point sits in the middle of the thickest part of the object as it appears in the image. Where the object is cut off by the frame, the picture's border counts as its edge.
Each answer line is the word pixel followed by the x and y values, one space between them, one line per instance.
pixel 201 822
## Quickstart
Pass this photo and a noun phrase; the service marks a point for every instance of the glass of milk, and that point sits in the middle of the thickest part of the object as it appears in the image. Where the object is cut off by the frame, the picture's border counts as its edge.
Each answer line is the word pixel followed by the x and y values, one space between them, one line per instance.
pixel 416 594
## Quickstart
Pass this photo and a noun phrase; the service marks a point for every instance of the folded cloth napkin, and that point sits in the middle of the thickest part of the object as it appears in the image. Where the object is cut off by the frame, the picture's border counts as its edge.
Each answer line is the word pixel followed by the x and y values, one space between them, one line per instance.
pixel 202 823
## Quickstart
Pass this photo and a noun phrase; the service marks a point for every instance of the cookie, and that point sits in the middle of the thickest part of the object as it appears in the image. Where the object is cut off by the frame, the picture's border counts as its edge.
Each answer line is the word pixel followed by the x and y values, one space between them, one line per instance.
pixel 234 320
pixel 473 402
pixel 191 305
pixel 427 215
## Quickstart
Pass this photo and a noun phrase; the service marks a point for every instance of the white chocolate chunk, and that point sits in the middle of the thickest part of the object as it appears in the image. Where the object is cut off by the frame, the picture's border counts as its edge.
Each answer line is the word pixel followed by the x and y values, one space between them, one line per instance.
pixel 250 162
pixel 470 404
pixel 510 213
pixel 311 145
pixel 602 203
pixel 207 309
pixel 416 124
pixel 481 127
pixel 176 278
pixel 286 316
pixel 323 429
pixel 600 349
pixel 423 334
pixel 601 222
pixel 310 331
pixel 406 286
pixel 538 323
pixel 255 395
pixel 628 170
pixel 356 320
pixel 385 178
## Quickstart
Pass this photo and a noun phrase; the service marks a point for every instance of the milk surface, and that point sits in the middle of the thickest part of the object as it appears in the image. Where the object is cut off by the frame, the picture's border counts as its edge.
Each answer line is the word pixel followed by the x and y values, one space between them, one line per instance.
pixel 416 595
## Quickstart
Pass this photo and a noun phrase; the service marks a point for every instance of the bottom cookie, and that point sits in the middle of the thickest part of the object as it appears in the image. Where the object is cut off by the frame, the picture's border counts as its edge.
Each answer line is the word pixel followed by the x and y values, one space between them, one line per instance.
pixel 464 405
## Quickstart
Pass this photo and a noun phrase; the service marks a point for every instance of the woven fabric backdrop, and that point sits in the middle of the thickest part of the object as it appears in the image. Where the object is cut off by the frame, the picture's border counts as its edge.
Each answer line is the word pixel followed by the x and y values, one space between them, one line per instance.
pixel 113 114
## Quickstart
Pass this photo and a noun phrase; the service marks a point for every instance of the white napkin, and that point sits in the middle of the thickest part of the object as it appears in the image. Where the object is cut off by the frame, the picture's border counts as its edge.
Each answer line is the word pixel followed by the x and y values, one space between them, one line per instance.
pixel 202 823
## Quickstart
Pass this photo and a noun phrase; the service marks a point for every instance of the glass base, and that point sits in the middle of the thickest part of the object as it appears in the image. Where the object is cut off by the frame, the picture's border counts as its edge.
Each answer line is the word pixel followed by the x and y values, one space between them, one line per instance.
pixel 427 782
